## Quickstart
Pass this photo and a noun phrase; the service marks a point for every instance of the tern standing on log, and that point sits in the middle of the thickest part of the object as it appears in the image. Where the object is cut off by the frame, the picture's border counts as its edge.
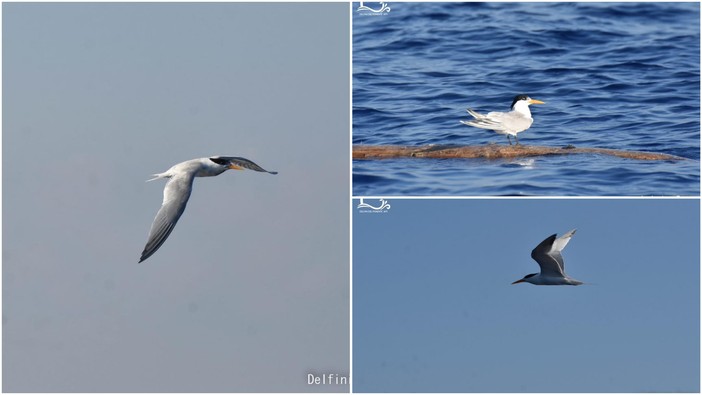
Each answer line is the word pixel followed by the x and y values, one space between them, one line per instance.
pixel 509 123
pixel 177 192
pixel 548 255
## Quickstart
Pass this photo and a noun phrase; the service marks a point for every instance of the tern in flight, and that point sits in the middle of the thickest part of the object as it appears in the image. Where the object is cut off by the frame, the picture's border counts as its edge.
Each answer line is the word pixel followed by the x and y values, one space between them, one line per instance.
pixel 509 123
pixel 548 255
pixel 177 192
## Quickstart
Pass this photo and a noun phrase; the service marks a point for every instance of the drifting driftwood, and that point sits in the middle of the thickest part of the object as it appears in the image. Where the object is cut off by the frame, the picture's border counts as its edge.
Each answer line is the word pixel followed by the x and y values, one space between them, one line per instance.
pixel 491 151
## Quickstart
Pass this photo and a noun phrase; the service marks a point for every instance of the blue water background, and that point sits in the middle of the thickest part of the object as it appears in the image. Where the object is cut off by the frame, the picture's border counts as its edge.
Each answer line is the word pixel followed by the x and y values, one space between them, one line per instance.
pixel 613 75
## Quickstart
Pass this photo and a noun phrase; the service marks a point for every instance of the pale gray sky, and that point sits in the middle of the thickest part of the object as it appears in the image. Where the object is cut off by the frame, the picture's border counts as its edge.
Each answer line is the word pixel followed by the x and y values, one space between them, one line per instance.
pixel 250 292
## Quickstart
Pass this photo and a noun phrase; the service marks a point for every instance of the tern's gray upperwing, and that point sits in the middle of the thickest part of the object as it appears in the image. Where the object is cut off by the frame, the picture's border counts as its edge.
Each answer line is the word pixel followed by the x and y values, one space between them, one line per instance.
pixel 547 261
pixel 175 197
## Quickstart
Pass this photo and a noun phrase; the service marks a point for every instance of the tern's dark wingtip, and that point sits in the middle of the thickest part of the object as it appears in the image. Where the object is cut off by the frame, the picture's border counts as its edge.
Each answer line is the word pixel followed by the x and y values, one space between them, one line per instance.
pixel 273 172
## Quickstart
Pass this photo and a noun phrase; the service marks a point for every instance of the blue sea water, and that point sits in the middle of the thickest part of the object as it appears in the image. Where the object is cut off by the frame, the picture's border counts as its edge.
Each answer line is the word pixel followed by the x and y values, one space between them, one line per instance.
pixel 613 75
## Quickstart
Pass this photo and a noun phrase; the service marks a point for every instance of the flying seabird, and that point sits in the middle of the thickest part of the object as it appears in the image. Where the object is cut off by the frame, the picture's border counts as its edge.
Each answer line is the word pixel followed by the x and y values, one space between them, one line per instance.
pixel 177 192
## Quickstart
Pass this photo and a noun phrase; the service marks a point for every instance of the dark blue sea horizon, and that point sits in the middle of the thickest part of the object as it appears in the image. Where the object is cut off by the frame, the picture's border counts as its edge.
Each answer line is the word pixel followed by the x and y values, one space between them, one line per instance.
pixel 613 75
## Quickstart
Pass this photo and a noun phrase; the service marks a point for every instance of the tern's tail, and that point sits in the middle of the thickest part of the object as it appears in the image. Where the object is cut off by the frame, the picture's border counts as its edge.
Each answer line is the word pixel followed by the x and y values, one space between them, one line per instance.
pixel 159 175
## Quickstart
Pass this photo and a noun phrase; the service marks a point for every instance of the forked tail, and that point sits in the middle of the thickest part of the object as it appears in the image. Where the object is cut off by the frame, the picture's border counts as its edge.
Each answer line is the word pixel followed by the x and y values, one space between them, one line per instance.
pixel 159 175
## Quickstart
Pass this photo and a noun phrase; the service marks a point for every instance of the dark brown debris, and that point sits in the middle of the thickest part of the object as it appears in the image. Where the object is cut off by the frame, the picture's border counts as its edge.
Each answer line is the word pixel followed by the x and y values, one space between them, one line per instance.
pixel 492 151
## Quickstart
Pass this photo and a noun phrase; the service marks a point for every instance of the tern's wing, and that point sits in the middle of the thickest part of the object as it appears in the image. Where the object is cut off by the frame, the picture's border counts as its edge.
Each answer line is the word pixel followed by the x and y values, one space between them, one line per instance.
pixel 475 115
pixel 512 120
pixel 245 163
pixel 175 197
pixel 558 246
pixel 562 241
pixel 482 121
pixel 551 264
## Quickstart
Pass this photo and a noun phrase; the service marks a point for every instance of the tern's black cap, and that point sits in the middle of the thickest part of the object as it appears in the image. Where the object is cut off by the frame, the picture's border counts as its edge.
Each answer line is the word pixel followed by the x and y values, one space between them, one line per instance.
pixel 518 98
pixel 220 161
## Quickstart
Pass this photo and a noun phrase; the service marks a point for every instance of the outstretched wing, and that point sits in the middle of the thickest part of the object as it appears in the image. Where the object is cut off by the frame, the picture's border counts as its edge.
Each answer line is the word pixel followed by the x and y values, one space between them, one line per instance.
pixel 242 162
pixel 562 241
pixel 549 264
pixel 558 246
pixel 175 197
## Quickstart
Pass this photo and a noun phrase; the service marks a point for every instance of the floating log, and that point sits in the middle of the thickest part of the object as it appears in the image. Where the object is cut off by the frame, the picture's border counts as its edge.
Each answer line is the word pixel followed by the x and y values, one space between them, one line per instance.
pixel 492 151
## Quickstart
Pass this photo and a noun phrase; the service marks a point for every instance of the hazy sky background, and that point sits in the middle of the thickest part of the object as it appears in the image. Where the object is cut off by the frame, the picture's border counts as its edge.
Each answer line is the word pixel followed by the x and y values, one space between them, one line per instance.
pixel 434 309
pixel 250 292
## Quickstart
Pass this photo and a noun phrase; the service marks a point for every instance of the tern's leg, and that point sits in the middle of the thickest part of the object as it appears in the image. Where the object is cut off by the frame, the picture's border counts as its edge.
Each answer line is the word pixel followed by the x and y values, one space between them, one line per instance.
pixel 516 138
pixel 510 140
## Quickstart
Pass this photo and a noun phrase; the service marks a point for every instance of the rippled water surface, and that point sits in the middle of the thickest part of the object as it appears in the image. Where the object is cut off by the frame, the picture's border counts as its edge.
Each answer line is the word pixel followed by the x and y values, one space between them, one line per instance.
pixel 622 76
